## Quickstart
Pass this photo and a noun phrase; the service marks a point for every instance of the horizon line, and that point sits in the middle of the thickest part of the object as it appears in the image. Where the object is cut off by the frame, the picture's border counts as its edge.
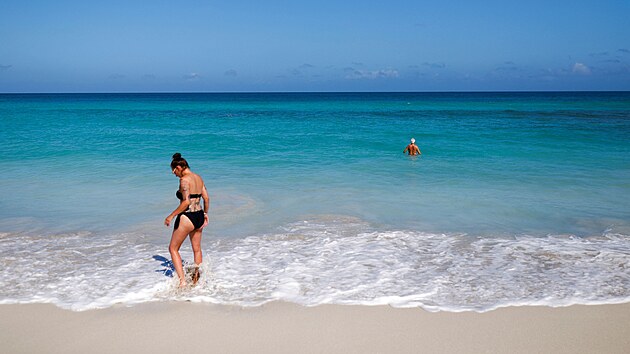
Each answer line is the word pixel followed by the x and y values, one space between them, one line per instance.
pixel 296 92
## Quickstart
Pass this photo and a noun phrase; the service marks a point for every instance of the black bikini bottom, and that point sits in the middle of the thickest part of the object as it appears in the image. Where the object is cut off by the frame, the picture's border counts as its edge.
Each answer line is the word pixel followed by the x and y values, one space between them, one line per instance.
pixel 196 217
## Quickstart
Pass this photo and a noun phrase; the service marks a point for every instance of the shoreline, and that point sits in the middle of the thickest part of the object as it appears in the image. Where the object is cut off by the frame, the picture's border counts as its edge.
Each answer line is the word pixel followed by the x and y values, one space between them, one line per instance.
pixel 280 327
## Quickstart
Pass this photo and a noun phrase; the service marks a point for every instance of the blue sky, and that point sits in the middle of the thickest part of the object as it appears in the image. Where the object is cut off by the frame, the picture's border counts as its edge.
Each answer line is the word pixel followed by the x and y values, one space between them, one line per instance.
pixel 173 46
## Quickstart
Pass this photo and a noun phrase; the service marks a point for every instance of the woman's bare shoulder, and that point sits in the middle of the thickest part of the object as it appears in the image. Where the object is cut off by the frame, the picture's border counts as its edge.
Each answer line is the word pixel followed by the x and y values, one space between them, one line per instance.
pixel 195 180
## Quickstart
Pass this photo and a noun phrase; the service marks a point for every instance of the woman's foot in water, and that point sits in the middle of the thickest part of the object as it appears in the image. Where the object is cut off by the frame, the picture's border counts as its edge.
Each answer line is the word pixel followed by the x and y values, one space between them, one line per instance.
pixel 182 284
pixel 195 275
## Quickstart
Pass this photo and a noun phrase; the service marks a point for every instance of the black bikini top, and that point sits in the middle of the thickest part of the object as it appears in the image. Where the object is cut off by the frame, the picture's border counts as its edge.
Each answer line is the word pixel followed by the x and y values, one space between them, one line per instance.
pixel 191 196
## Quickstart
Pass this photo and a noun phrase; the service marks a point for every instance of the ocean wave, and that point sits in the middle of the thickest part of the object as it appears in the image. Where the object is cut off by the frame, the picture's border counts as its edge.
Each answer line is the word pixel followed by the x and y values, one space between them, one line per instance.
pixel 322 260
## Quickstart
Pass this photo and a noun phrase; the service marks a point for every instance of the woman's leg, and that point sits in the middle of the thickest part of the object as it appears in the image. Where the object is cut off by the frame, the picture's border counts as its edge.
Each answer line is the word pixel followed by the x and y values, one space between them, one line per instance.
pixel 195 241
pixel 179 235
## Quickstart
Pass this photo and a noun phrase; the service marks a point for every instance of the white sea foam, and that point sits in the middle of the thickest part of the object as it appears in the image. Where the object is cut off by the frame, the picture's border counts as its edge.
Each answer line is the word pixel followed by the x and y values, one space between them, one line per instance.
pixel 322 260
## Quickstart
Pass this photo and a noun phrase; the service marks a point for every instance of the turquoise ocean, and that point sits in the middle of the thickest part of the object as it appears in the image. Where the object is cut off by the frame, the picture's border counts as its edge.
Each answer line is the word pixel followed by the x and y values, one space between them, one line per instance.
pixel 517 199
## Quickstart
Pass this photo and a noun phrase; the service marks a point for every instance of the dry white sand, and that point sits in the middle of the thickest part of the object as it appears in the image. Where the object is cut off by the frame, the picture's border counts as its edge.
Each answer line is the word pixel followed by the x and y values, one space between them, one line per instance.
pixel 287 328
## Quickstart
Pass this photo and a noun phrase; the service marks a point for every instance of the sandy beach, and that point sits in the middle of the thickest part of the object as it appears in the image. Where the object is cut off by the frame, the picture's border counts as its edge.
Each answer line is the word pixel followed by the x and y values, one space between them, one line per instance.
pixel 289 328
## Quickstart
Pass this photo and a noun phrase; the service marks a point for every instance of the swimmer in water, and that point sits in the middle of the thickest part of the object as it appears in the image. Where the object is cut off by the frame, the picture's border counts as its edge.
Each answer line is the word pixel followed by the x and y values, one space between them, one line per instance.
pixel 412 148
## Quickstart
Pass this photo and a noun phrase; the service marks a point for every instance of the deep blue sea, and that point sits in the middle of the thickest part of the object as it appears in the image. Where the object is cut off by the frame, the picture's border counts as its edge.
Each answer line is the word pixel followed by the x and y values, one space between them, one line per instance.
pixel 517 199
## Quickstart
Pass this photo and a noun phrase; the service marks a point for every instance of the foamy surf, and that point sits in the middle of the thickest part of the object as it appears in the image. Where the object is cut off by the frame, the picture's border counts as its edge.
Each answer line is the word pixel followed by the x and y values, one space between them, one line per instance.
pixel 321 260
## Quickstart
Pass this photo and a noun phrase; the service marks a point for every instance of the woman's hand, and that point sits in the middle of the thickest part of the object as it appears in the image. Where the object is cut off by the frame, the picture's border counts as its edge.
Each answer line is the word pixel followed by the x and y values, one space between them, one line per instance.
pixel 205 220
pixel 167 221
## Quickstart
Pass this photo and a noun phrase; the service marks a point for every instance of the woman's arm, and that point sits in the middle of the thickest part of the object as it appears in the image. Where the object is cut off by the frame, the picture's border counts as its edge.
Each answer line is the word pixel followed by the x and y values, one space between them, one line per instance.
pixel 206 199
pixel 183 204
pixel 206 205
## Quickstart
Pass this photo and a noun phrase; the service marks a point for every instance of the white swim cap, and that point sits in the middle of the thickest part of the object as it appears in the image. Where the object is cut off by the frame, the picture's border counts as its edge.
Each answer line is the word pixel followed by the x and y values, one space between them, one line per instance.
pixel 413 140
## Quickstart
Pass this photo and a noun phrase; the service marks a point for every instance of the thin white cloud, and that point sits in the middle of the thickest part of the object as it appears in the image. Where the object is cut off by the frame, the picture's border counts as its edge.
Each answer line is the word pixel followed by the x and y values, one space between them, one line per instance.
pixel 301 70
pixel 374 74
pixel 507 71
pixel 192 77
pixel 581 69
pixel 435 65
pixel 507 68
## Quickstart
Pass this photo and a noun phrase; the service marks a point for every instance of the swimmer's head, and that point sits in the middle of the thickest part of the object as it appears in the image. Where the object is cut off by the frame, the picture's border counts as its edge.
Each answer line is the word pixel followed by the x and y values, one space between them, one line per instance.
pixel 413 141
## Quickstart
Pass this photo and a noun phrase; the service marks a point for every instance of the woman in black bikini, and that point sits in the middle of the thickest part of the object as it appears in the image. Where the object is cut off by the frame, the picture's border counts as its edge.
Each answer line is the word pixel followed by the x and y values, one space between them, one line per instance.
pixel 191 218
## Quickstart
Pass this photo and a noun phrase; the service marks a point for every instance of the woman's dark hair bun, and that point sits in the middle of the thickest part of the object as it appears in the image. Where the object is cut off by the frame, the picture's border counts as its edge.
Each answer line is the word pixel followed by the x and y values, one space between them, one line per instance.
pixel 178 160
